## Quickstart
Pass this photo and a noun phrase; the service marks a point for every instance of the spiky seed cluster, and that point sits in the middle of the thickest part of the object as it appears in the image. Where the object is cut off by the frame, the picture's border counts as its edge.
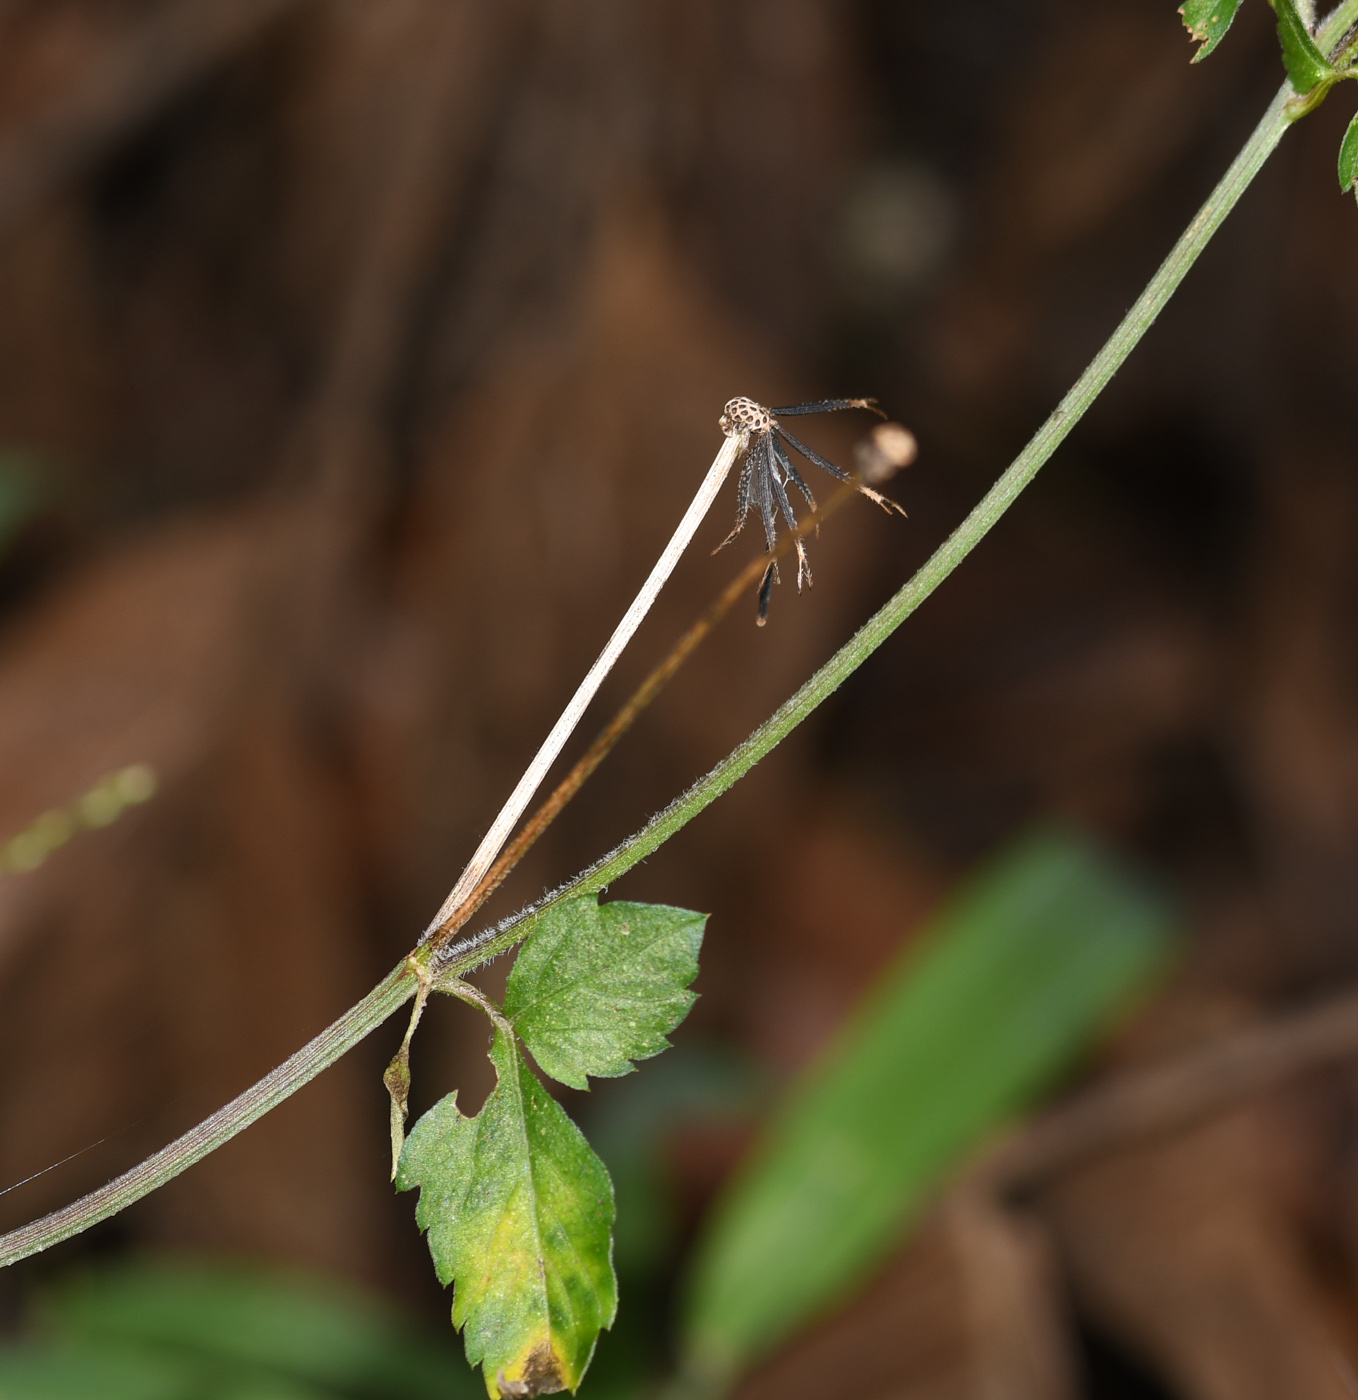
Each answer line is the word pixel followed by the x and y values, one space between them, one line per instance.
pixel 768 469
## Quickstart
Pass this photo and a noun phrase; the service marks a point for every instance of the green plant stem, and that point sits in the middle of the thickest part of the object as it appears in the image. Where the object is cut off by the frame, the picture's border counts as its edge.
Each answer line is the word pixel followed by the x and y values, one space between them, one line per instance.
pixel 400 984
pixel 322 1052
pixel 461 957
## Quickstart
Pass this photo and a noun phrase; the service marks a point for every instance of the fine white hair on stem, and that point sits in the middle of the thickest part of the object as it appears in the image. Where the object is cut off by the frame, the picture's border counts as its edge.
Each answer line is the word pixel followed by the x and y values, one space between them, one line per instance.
pixel 552 745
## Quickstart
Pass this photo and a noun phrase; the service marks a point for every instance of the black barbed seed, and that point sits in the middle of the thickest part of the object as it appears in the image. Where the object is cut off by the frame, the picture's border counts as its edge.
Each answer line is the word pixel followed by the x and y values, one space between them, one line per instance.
pixel 768 468
pixel 827 406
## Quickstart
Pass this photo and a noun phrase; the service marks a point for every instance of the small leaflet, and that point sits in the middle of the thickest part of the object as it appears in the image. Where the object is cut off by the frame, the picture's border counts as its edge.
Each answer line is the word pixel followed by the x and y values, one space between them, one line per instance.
pixel 1208 21
pixel 1348 158
pixel 519 1215
pixel 1306 66
pixel 598 986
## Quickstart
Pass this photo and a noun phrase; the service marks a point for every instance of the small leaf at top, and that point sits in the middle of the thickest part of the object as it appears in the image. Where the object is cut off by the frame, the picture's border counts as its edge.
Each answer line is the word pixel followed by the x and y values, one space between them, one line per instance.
pixel 598 986
pixel 519 1214
pixel 1348 158
pixel 1208 21
pixel 1306 66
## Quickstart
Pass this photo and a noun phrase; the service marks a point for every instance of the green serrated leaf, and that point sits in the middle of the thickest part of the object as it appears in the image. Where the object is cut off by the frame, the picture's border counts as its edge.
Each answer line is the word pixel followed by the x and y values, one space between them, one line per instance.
pixel 1208 21
pixel 519 1215
pixel 1306 66
pixel 598 986
pixel 1014 978
pixel 1348 158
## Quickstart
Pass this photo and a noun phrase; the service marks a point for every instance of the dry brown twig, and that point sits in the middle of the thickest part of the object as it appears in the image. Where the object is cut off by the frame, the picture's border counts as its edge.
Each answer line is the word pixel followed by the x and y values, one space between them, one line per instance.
pixel 1164 1099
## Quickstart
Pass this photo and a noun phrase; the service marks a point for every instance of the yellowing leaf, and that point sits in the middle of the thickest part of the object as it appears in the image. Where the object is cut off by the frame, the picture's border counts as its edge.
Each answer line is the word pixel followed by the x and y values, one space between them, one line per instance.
pixel 519 1215
pixel 598 986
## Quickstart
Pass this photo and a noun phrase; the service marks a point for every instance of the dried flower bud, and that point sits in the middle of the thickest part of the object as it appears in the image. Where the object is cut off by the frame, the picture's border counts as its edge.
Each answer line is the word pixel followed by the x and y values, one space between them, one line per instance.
pixel 883 453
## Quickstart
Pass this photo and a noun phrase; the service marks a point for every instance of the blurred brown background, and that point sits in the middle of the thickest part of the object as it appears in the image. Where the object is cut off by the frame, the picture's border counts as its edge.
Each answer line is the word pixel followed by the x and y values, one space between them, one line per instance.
pixel 367 354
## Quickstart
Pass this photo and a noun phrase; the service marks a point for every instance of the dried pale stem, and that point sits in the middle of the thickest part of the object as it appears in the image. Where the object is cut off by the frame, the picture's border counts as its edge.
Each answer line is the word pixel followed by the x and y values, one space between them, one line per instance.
pixel 504 823
pixel 623 721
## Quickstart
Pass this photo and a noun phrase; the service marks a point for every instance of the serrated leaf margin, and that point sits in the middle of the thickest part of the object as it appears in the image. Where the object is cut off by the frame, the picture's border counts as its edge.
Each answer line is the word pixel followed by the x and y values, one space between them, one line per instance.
pixel 564 936
pixel 1207 21
pixel 515 1361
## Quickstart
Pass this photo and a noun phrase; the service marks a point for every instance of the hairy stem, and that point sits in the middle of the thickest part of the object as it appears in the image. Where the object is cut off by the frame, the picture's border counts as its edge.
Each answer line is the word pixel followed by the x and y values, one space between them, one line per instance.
pixel 400 984
pixel 604 744
pixel 322 1052
pixel 461 957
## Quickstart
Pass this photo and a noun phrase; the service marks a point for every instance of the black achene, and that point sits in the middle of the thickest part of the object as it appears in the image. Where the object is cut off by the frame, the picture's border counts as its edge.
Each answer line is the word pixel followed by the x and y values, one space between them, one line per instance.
pixel 768 469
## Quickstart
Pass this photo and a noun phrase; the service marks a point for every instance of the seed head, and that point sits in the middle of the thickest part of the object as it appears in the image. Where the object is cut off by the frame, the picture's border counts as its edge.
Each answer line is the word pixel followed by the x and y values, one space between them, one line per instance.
pixel 768 469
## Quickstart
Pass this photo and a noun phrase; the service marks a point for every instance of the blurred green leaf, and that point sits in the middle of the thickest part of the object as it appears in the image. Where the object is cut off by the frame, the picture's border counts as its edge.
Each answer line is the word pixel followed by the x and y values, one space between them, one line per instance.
pixel 519 1212
pixel 1011 982
pixel 631 1123
pixel 157 1330
pixel 100 806
pixel 23 493
pixel 1208 21
pixel 597 986
pixel 1306 66
pixel 1348 158
pixel 628 1124
pixel 72 1371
